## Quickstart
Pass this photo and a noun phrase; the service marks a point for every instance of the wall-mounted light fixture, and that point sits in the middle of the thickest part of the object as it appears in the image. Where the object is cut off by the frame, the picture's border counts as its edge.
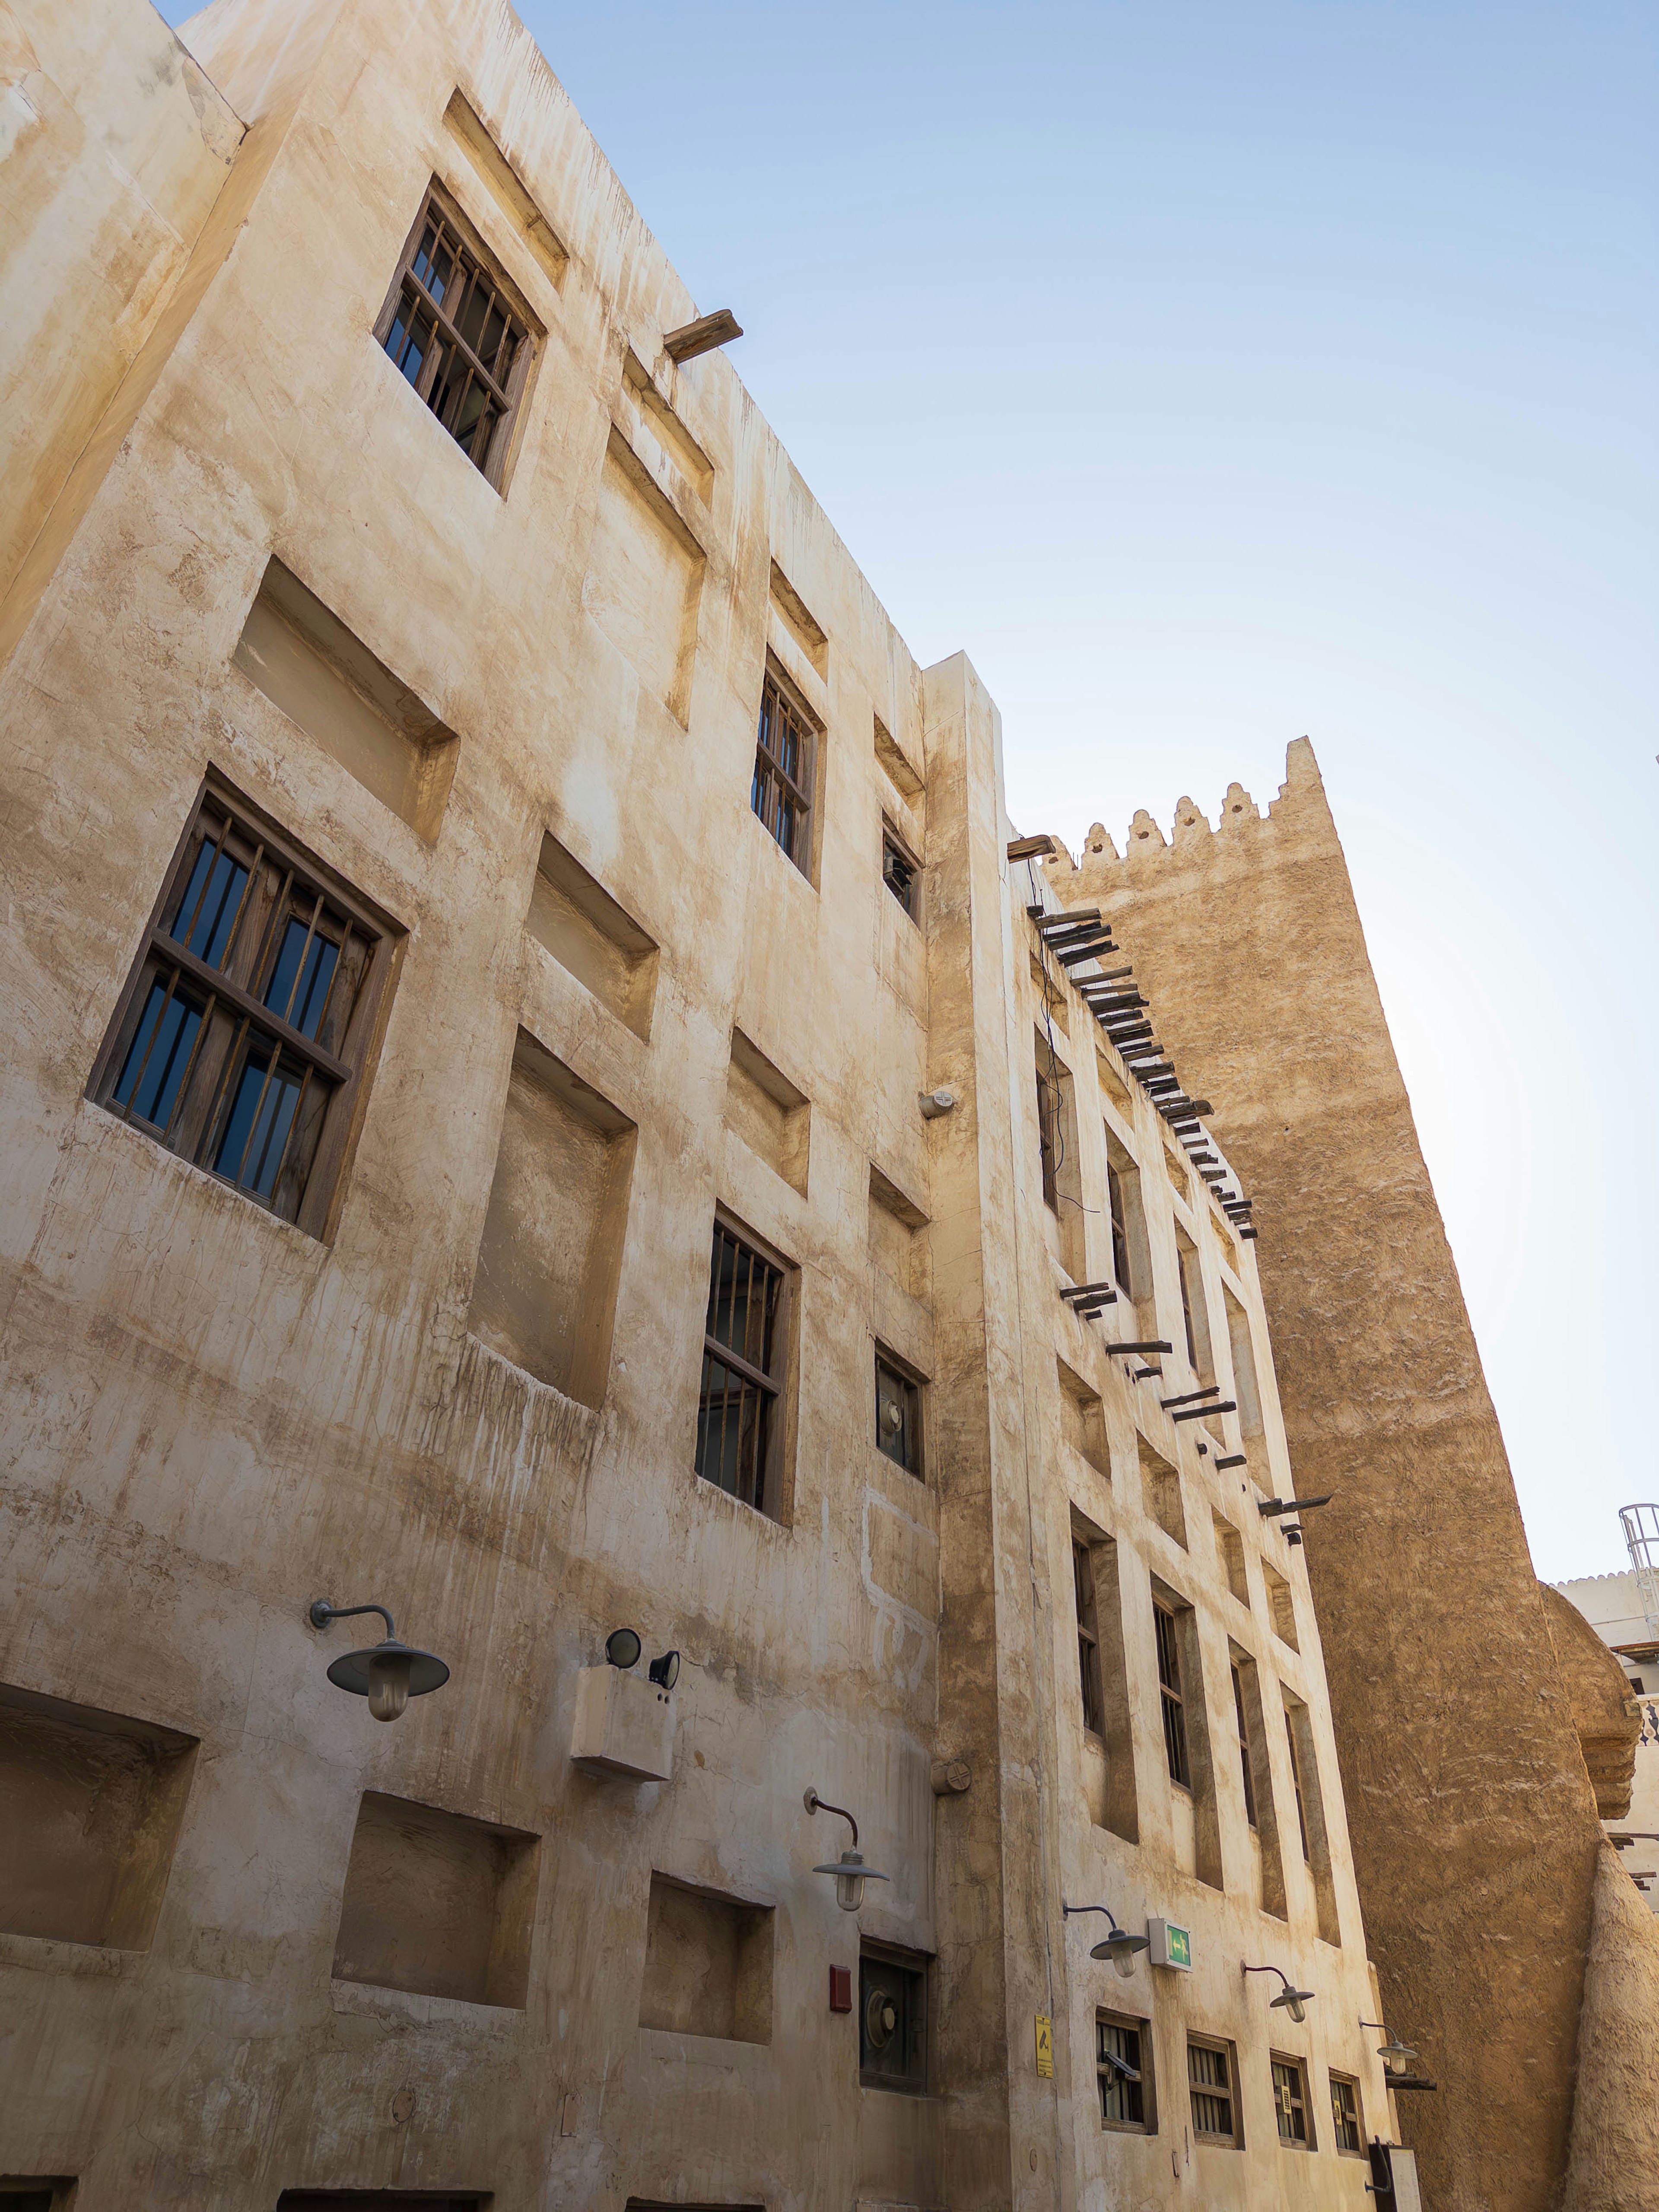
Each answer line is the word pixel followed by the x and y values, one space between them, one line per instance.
pixel 1120 1947
pixel 623 1648
pixel 664 1672
pixel 1290 1998
pixel 1396 2056
pixel 849 1870
pixel 388 1673
pixel 935 1103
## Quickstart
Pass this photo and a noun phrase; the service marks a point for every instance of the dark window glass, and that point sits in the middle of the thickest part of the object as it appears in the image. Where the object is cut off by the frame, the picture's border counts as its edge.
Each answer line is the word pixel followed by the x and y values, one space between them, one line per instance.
pixel 737 1408
pixel 1243 1746
pixel 1210 2084
pixel 781 792
pixel 899 1417
pixel 892 2021
pixel 1170 1693
pixel 243 1031
pixel 1290 2106
pixel 1345 2114
pixel 1088 1636
pixel 900 873
pixel 1120 2074
pixel 456 337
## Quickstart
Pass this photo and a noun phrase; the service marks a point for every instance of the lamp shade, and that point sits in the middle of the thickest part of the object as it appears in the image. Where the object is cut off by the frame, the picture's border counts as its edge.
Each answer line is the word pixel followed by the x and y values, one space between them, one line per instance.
pixel 1120 1947
pixel 850 1875
pixel 388 1674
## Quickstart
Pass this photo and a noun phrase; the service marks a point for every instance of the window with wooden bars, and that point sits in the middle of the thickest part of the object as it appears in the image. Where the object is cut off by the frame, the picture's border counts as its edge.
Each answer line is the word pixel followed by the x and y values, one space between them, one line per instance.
pixel 1122 2071
pixel 1209 2086
pixel 462 343
pixel 739 1407
pixel 1048 1104
pixel 1169 1695
pixel 782 794
pixel 1243 1744
pixel 901 872
pixel 1120 1221
pixel 1291 2103
pixel 243 1036
pixel 1295 1782
pixel 1088 1636
pixel 1347 2124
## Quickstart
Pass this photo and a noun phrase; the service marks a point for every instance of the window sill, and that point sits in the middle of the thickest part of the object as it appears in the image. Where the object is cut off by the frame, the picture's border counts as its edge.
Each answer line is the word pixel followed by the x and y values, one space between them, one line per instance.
pixel 916 2089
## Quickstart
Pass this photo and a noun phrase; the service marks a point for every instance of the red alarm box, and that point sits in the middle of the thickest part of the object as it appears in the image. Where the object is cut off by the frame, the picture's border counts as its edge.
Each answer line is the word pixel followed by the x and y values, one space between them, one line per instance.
pixel 840 1989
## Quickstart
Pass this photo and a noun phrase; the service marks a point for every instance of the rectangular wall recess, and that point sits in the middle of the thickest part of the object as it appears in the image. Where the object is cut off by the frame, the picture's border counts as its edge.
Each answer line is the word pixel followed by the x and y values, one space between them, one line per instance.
pixel 897 1243
pixel 763 1108
pixel 506 187
pixel 437 1904
pixel 90 1808
pixel 544 1295
pixel 707 1965
pixel 800 623
pixel 1082 1419
pixel 309 664
pixel 644 581
pixel 599 943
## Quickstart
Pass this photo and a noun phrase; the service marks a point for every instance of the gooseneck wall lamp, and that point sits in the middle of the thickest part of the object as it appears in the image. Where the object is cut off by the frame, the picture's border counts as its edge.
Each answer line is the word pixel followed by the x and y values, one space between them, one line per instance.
pixel 849 1870
pixel 1290 1998
pixel 1120 1947
pixel 388 1674
pixel 1396 2056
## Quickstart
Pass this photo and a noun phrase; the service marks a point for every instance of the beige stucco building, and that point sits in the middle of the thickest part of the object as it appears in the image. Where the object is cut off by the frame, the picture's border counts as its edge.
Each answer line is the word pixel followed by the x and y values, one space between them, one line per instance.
pixel 491 1136
pixel 1613 1605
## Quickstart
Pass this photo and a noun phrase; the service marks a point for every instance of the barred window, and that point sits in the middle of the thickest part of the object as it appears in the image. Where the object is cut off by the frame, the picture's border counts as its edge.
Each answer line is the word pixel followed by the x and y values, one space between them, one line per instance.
pixel 242 1039
pixel 1088 1636
pixel 1121 2072
pixel 1169 1694
pixel 782 794
pixel 1295 1782
pixel 901 872
pixel 1120 1222
pixel 1243 1745
pixel 1210 2085
pixel 738 1409
pixel 1346 2125
pixel 1291 2103
pixel 450 328
pixel 1048 1110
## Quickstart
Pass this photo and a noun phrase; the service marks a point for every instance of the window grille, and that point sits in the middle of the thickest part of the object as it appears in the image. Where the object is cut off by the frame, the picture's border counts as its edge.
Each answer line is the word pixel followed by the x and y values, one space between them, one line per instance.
pixel 241 1039
pixel 1187 1311
pixel 1118 2045
pixel 451 329
pixel 1295 1782
pixel 1210 2085
pixel 1048 1098
pixel 1290 2104
pixel 737 1408
pixel 782 794
pixel 1169 1694
pixel 898 1415
pixel 1120 1228
pixel 1088 1636
pixel 1345 2124
pixel 1243 1746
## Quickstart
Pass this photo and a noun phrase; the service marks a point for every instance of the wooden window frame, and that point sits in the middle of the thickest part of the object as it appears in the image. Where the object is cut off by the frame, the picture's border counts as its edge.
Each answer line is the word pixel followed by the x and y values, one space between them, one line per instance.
pixel 895 848
pixel 1288 2107
pixel 915 1965
pixel 762 1385
pixel 1145 2092
pixel 1224 2051
pixel 445 346
pixel 1177 1753
pixel 1244 1729
pixel 1050 1105
pixel 1339 2119
pixel 913 1461
pixel 1295 1785
pixel 1117 1214
pixel 224 981
pixel 1088 1636
pixel 775 786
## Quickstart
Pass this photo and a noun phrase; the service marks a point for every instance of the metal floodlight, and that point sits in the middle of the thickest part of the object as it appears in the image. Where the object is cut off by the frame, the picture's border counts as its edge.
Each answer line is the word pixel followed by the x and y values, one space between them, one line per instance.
pixel 1120 1947
pixel 623 1648
pixel 664 1672
pixel 388 1674
pixel 1396 2056
pixel 849 1870
pixel 1290 1998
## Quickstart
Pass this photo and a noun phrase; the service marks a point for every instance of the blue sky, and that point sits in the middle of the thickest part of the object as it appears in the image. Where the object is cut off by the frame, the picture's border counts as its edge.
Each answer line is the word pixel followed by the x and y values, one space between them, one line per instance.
pixel 1215 374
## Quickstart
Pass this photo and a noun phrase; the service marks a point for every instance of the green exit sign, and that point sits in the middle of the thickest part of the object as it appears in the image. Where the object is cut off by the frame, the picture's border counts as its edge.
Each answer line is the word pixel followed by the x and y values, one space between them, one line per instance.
pixel 1170 1945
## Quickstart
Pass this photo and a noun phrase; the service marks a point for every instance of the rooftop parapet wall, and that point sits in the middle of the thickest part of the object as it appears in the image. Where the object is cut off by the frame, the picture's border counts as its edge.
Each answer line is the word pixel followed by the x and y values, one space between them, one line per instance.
pixel 1473 1822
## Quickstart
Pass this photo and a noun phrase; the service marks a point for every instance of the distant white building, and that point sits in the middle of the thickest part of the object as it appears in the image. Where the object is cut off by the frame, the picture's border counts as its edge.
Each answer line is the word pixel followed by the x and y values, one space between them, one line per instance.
pixel 1613 1605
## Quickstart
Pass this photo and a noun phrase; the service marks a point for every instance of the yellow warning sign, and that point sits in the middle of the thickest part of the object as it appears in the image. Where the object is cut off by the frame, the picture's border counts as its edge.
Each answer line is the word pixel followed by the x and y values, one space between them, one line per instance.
pixel 1045 2046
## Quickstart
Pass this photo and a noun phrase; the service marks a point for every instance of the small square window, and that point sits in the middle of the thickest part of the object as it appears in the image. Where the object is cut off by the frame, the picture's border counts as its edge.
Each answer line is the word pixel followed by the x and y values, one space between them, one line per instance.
pixel 1290 2104
pixel 1123 2058
pixel 1210 2086
pixel 458 337
pixel 1347 2121
pixel 898 1414
pixel 892 2019
pixel 901 873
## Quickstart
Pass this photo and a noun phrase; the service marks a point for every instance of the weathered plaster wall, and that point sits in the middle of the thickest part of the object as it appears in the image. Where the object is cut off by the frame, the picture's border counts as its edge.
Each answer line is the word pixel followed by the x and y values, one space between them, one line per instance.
pixel 1613 2168
pixel 1605 1716
pixel 1474 1826
pixel 114 147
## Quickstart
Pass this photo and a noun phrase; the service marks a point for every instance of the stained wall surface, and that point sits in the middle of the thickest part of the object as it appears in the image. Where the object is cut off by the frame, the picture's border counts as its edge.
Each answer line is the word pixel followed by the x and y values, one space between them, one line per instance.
pixel 1474 1826
pixel 215 1416
pixel 1612 1605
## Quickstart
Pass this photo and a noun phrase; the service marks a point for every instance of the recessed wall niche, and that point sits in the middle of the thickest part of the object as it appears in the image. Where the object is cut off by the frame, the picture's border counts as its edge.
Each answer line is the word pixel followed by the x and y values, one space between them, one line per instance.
pixel 593 938
pixel 644 581
pixel 437 1904
pixel 763 1108
pixel 708 1963
pixel 90 1808
pixel 309 664
pixel 545 1293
